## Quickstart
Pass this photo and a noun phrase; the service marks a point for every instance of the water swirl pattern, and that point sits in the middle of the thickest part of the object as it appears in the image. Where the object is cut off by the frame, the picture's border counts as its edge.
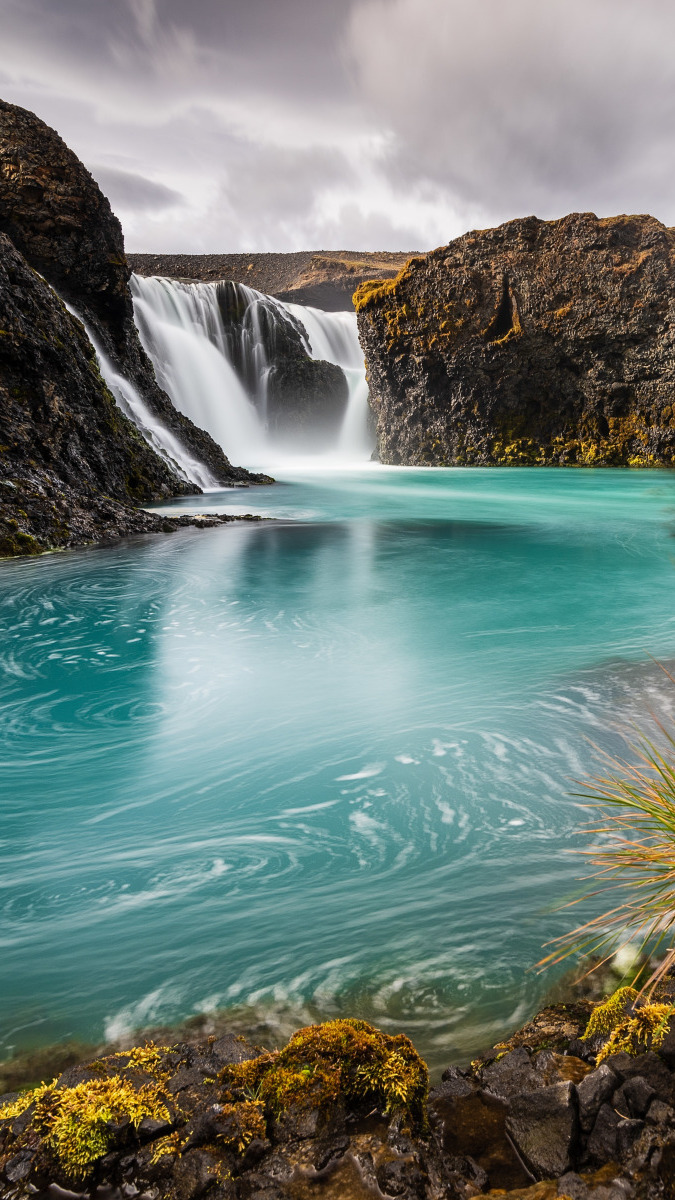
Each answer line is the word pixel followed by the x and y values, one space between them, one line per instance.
pixel 321 765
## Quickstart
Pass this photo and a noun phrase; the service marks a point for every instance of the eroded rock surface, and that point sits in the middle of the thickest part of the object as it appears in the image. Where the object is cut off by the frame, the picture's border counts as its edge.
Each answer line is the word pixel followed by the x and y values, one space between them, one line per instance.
pixel 536 342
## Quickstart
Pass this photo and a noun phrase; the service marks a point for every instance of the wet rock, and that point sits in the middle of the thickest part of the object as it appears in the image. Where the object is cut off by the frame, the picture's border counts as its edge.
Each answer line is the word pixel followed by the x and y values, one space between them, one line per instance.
pixel 634 1097
pixel 401 1178
pixel 512 1074
pixel 603 1143
pixel 543 1126
pixel 304 399
pixel 593 1091
pixel 77 466
pixel 536 342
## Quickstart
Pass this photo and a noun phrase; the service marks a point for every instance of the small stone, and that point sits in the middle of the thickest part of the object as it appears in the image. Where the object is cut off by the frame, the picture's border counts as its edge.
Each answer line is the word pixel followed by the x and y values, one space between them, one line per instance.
pixel 511 1075
pixel 572 1185
pixel 593 1091
pixel 637 1095
pixel 18 1168
pixel 654 1071
pixel 659 1113
pixel 602 1144
pixel 627 1132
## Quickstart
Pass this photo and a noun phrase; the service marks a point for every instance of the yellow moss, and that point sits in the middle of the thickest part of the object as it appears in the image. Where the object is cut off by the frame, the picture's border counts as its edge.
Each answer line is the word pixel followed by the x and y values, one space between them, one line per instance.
pixel 169 1145
pixel 340 1058
pixel 9 1111
pixel 632 1030
pixel 645 1030
pixel 74 1121
pixel 607 1016
pixel 246 1121
pixel 371 291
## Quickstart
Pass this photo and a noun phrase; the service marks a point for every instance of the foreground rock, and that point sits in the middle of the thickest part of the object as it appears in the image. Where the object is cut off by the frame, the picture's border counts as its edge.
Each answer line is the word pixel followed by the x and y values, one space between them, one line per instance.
pixel 60 221
pixel 342 1113
pixel 537 342
pixel 325 279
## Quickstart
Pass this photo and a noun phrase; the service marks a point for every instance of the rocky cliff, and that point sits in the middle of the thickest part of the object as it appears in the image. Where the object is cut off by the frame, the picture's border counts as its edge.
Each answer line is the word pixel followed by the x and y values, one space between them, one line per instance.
pixel 58 218
pixel 537 342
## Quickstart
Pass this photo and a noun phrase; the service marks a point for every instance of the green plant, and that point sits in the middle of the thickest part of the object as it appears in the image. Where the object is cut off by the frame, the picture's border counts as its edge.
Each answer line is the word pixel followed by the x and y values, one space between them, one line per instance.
pixel 634 862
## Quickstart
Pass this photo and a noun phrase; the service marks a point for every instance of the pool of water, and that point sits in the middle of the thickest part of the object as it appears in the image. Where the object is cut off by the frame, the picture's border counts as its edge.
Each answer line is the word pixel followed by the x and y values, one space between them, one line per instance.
pixel 321 765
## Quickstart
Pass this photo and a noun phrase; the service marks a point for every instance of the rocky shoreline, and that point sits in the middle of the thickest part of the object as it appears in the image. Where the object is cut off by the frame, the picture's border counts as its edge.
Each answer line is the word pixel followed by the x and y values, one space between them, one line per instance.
pixel 343 1112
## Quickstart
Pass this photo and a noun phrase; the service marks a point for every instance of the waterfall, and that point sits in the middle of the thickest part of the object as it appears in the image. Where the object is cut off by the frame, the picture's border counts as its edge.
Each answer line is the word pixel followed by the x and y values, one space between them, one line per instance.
pixel 161 439
pixel 333 336
pixel 214 347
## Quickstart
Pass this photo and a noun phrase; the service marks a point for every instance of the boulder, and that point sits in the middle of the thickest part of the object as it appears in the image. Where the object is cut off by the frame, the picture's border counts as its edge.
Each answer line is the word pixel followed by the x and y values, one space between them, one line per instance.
pixel 593 1091
pixel 544 1126
pixel 539 342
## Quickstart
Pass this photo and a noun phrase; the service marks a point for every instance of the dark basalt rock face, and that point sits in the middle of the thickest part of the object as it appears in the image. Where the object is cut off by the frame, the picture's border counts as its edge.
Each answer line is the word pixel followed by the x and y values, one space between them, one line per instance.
pixel 56 215
pixel 72 466
pixel 304 398
pixel 537 342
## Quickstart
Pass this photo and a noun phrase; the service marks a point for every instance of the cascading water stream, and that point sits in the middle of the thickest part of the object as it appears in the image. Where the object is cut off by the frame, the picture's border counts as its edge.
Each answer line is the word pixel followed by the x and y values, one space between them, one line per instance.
pixel 333 336
pixel 213 346
pixel 161 439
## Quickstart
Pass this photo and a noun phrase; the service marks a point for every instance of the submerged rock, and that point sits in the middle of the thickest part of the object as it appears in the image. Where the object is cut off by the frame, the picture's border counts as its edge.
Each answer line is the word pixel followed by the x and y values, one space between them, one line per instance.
pixel 536 342
pixel 57 217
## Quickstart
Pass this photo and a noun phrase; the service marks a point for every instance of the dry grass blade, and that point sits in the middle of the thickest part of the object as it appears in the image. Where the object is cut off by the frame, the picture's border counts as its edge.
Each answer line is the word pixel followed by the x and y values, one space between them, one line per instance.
pixel 632 860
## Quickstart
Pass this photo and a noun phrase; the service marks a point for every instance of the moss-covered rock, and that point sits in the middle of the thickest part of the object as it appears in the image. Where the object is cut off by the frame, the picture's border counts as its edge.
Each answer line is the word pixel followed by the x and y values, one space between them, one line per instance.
pixel 539 342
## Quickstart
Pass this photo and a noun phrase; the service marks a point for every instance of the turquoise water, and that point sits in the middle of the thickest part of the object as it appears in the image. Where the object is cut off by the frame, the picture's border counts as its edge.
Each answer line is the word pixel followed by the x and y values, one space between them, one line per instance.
pixel 321 765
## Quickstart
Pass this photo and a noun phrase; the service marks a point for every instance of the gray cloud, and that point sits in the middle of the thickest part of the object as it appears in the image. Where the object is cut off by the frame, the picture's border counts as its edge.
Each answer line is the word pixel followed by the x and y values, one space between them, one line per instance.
pixel 280 124
pixel 526 106
pixel 128 191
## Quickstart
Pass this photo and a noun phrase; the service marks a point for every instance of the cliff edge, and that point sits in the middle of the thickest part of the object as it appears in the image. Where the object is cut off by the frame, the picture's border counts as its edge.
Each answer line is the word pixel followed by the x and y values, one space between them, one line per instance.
pixel 539 342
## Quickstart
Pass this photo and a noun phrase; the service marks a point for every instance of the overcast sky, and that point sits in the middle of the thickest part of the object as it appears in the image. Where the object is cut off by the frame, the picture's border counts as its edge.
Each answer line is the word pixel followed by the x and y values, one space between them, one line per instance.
pixel 223 125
